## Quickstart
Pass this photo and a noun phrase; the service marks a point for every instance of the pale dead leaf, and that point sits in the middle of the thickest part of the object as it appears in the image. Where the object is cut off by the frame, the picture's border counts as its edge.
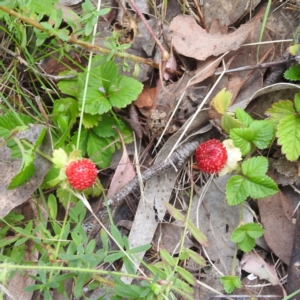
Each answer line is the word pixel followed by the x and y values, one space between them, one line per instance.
pixel 253 263
pixel 9 199
pixel 227 12
pixel 168 236
pixel 123 174
pixel 278 229
pixel 217 220
pixel 192 40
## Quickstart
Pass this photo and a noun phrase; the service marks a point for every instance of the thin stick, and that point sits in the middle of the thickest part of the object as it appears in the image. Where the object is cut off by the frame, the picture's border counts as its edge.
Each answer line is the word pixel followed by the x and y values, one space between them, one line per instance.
pixel 258 66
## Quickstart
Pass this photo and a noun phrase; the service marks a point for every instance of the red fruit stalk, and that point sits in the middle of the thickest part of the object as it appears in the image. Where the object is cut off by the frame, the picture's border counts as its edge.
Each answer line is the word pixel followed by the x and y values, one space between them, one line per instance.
pixel 211 156
pixel 81 174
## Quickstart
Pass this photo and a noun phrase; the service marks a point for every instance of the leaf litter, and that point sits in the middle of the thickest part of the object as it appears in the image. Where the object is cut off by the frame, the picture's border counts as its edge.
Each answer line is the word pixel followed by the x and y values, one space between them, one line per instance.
pixel 209 210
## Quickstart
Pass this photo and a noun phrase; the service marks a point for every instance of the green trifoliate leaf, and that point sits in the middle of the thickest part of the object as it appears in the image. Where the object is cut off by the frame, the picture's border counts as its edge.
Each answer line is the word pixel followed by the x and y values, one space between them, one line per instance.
pixel 70 86
pixel 242 138
pixel 255 166
pixel 243 117
pixel 230 283
pixel 297 102
pixel 288 134
pixel 255 184
pixel 264 133
pixel 293 73
pixel 228 122
pixel 247 244
pixel 123 91
pixel 280 110
pixel 261 186
pixel 246 234
pixel 96 102
pixel 254 230
pixel 236 190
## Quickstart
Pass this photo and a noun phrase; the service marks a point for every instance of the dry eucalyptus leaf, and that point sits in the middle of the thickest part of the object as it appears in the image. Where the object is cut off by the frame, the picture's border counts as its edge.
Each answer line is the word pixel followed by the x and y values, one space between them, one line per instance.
pixel 217 220
pixel 279 230
pixel 168 236
pixel 192 40
pixel 253 263
pixel 9 199
pixel 123 174
pixel 227 12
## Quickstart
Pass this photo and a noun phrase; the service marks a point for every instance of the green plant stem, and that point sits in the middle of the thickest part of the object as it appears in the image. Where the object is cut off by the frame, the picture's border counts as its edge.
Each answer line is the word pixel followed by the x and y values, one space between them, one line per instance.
pixel 73 40
pixel 7 266
pixel 41 153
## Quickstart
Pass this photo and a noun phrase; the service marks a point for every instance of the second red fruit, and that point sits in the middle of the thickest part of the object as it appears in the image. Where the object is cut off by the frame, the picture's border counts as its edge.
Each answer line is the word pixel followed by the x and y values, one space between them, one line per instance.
pixel 211 156
pixel 81 174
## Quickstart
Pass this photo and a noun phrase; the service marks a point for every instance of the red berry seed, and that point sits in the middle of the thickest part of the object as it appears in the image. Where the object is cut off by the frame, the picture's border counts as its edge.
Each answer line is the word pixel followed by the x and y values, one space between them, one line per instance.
pixel 81 174
pixel 211 156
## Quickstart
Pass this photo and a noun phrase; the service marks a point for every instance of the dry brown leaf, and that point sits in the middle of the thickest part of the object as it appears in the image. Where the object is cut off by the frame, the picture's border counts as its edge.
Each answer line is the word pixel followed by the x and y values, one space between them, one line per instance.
pixel 146 98
pixel 123 174
pixel 192 40
pixel 278 229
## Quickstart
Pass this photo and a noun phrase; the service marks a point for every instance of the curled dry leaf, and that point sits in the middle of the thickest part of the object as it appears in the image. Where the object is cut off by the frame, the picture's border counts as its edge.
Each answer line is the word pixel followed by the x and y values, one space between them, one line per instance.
pixel 253 263
pixel 192 40
pixel 124 172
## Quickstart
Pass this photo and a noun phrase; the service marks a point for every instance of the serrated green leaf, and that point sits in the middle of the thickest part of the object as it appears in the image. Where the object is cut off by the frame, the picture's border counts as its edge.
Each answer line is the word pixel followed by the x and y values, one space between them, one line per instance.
pixel 230 283
pixel 263 133
pixel 69 86
pixel 254 230
pixel 288 133
pixel 123 91
pixel 297 102
pixel 221 101
pixel 96 102
pixel 261 186
pixel 228 122
pixel 236 190
pixel 243 117
pixel 280 110
pixel 99 150
pixel 238 234
pixel 247 244
pixel 255 166
pixel 293 73
pixel 105 126
pixel 242 138
pixel 65 196
pixel 90 121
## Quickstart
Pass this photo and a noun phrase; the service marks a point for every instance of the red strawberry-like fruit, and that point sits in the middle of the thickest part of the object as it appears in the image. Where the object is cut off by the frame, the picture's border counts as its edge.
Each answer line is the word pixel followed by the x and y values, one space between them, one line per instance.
pixel 211 156
pixel 81 174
